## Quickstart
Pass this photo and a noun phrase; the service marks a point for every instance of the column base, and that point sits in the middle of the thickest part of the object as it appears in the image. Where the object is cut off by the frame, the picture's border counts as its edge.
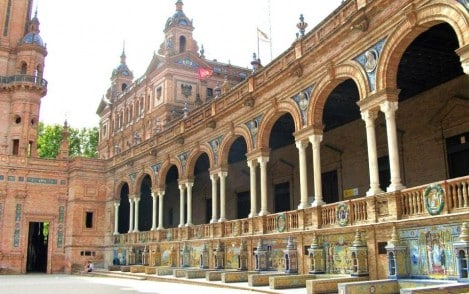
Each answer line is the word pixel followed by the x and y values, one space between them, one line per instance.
pixel 252 214
pixel 395 187
pixel 374 191
pixel 160 228
pixel 263 212
pixel 213 220
pixel 181 226
pixel 189 224
pixel 317 203
pixel 221 219
pixel 135 231
pixel 303 205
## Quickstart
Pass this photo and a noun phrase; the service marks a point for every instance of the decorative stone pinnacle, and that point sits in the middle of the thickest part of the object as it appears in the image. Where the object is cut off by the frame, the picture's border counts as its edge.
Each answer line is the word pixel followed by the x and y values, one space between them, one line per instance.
pixel 464 236
pixel 395 240
pixel 358 240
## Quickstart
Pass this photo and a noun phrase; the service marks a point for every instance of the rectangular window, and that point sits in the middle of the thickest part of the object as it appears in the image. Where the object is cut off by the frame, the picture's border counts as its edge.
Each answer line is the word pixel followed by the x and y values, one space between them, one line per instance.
pixel 89 220
pixel 16 147
pixel 30 148
pixel 209 92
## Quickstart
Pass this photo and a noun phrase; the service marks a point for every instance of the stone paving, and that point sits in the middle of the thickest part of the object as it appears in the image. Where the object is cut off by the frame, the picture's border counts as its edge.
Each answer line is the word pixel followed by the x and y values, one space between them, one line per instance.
pixel 90 284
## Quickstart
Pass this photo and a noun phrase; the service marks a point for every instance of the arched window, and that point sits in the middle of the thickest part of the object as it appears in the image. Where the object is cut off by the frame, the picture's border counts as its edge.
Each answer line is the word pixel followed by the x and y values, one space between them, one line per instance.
pixel 182 44
pixel 39 72
pixel 124 86
pixel 24 68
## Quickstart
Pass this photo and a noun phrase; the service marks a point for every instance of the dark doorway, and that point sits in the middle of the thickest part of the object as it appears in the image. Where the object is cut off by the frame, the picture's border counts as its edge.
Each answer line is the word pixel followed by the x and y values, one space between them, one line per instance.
pixel 244 204
pixel 37 247
pixel 330 186
pixel 384 172
pixel 124 210
pixel 282 197
pixel 145 205
pixel 457 149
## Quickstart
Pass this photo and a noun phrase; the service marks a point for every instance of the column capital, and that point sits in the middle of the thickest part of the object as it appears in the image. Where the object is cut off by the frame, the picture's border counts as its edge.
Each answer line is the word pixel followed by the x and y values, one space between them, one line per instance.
pixel 116 203
pixel 214 177
pixel 263 159
pixel 315 139
pixel 222 174
pixel 389 107
pixel 302 144
pixel 189 184
pixel 369 115
pixel 252 162
pixel 374 100
pixel 253 155
pixel 463 53
pixel 182 186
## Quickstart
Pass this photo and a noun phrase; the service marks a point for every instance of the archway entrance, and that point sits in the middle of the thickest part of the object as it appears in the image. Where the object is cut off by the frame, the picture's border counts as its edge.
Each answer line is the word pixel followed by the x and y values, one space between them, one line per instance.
pixel 37 247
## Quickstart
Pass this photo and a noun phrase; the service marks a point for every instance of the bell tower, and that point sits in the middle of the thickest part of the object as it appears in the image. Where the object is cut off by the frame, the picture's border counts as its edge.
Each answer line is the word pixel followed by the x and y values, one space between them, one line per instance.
pixel 178 34
pixel 22 55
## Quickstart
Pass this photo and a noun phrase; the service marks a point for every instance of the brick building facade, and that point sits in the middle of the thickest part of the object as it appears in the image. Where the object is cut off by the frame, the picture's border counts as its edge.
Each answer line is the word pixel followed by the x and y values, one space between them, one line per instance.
pixel 361 125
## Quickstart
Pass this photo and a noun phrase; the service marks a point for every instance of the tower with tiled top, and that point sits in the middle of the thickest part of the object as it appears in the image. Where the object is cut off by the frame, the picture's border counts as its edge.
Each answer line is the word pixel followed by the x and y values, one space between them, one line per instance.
pixel 22 57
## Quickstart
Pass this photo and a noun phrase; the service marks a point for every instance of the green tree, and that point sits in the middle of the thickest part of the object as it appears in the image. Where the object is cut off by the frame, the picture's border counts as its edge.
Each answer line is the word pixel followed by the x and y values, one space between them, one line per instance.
pixel 82 143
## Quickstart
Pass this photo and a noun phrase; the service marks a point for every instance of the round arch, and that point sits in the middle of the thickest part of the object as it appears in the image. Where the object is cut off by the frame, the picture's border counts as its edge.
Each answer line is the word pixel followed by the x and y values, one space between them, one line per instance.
pixel 140 176
pixel 435 13
pixel 165 166
pixel 194 155
pixel 239 131
pixel 348 70
pixel 271 117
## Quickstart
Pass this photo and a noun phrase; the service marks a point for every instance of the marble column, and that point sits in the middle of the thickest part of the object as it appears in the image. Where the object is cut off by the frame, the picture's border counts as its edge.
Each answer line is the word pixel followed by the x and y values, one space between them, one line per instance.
pixel 389 108
pixel 189 186
pixel 222 176
pixel 153 212
pixel 116 218
pixel 181 205
pixel 252 172
pixel 264 201
pixel 316 140
pixel 214 179
pixel 160 210
pixel 369 117
pixel 301 145
pixel 131 215
pixel 136 201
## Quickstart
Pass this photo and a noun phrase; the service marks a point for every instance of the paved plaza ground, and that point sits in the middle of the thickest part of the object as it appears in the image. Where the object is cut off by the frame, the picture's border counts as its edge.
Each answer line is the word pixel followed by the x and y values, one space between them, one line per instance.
pixel 83 284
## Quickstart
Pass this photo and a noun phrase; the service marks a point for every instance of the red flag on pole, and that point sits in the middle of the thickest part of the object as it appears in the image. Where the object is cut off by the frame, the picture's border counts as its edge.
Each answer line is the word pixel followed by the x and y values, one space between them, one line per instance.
pixel 205 73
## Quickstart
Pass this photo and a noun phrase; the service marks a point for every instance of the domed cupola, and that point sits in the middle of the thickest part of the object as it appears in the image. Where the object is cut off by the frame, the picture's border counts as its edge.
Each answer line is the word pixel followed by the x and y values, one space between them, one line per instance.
pixel 178 34
pixel 33 37
pixel 122 70
pixel 178 18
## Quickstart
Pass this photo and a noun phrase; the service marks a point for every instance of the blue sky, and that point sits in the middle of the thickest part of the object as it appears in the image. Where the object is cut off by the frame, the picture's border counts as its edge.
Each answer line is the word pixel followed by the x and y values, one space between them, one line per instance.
pixel 85 40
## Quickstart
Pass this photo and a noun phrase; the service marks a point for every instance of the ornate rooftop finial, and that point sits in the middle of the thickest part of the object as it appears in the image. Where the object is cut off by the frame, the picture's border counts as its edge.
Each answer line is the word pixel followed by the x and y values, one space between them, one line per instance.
pixel 202 51
pixel 179 5
pixel 301 26
pixel 123 53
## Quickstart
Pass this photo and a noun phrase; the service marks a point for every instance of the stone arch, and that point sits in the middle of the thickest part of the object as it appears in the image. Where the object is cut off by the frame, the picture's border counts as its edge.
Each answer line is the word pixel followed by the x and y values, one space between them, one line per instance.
pixel 338 74
pixel 417 22
pixel 139 178
pixel 118 189
pixel 239 131
pixel 194 155
pixel 288 106
pixel 165 166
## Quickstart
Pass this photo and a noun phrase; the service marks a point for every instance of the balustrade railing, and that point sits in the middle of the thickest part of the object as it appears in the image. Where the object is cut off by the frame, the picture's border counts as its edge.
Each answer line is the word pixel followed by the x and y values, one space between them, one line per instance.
pixel 444 197
pixel 23 79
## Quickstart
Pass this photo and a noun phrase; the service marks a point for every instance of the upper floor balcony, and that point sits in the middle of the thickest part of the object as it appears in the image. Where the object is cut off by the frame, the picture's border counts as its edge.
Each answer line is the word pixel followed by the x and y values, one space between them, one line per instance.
pixel 15 80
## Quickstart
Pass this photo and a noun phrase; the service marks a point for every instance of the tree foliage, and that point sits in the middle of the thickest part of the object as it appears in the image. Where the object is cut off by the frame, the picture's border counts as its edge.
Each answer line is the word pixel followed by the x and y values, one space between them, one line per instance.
pixel 82 142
